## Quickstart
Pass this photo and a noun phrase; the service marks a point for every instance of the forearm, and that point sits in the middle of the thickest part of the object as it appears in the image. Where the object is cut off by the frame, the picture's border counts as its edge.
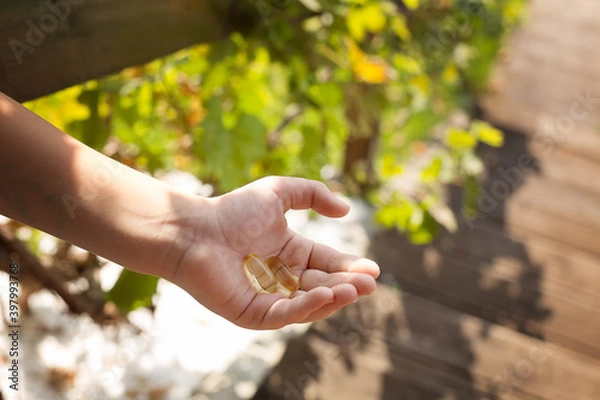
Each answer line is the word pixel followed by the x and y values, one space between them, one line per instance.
pixel 53 182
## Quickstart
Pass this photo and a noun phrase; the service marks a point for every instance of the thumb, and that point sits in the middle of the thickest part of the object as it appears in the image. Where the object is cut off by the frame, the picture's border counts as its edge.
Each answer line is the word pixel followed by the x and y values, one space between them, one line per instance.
pixel 300 194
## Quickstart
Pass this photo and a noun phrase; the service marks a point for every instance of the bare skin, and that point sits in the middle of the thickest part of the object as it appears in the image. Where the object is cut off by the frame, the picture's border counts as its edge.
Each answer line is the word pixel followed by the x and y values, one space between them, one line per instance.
pixel 52 182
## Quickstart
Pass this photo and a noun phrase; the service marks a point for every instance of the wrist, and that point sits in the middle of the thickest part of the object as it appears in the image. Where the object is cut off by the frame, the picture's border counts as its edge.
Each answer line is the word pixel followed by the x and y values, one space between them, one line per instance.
pixel 182 229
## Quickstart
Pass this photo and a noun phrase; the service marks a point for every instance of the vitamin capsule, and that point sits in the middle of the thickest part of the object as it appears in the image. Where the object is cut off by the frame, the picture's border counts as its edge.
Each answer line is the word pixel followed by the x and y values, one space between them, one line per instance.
pixel 283 273
pixel 261 274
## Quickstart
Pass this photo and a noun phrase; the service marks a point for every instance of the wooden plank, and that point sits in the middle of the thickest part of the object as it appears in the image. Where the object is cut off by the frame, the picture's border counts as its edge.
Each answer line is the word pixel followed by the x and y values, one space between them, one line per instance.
pixel 548 77
pixel 492 276
pixel 547 209
pixel 48 47
pixel 545 195
pixel 581 12
pixel 575 271
pixel 553 105
pixel 400 346
pixel 560 166
pixel 529 221
pixel 528 119
pixel 559 103
pixel 523 199
pixel 571 34
pixel 568 170
pixel 549 66
pixel 517 193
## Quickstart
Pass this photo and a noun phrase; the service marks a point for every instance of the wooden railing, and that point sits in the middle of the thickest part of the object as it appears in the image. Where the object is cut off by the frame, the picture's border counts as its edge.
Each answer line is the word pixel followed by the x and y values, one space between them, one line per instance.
pixel 48 45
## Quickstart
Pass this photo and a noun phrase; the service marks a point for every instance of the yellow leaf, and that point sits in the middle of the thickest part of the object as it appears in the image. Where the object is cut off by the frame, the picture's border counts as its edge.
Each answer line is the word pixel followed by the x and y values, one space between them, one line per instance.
pixel 368 69
pixel 389 167
pixel 487 133
pixel 60 108
pixel 400 29
pixel 371 71
pixel 407 64
pixel 513 11
pixel 355 24
pixel 104 109
pixel 460 140
pixel 422 84
pixel 450 74
pixel 412 4
pixel 361 20
pixel 257 170
pixel 374 18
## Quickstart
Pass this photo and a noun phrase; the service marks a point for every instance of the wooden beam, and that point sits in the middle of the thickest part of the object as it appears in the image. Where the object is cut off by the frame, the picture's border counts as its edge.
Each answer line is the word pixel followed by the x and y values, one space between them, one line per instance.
pixel 48 45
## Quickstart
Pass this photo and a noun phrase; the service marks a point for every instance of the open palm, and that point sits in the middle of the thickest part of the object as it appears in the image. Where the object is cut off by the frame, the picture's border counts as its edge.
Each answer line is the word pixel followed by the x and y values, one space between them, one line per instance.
pixel 252 220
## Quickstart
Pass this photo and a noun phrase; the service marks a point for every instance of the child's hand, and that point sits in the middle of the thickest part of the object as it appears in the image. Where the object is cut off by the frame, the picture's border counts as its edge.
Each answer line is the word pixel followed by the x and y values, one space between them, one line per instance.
pixel 251 220
pixel 90 200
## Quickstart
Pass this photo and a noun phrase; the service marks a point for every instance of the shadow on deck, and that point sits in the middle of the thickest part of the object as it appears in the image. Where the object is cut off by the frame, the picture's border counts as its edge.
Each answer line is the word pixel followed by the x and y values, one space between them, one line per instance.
pixel 508 307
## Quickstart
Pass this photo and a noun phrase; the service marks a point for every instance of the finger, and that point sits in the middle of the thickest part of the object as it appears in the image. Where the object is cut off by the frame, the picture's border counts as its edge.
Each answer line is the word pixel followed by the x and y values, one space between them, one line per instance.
pixel 288 311
pixel 345 294
pixel 327 259
pixel 300 194
pixel 363 283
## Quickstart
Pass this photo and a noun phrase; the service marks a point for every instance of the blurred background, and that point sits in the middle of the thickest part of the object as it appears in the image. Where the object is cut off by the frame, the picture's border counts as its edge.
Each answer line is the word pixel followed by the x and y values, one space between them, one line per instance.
pixel 464 132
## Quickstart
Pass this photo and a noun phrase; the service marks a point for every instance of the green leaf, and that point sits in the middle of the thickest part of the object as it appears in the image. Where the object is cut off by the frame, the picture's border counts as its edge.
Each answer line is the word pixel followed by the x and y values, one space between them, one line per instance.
pixel 327 94
pixel 216 143
pixel 249 141
pixel 230 154
pixel 132 290
pixel 487 133
pixel 389 166
pixel 386 216
pixel 311 154
pixel 221 50
pixel 251 96
pixel 92 130
pixel 395 215
pixel 216 78
pixel 425 231
pixel 458 139
pixel 419 125
pixel 471 192
pixel 416 218
pixel 431 173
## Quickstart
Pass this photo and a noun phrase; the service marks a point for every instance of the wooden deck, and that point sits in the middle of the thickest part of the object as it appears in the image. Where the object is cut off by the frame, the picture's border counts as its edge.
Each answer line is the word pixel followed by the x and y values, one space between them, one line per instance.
pixel 401 346
pixel 509 306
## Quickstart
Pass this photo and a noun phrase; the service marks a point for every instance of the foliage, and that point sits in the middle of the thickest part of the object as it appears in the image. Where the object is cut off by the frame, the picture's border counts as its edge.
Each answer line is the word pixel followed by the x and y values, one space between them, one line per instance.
pixel 315 76
pixel 418 216
pixel 132 290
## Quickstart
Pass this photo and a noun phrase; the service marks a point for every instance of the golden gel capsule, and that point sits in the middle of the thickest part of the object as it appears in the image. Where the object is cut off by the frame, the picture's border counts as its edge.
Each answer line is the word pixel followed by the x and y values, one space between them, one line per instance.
pixel 261 274
pixel 283 273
